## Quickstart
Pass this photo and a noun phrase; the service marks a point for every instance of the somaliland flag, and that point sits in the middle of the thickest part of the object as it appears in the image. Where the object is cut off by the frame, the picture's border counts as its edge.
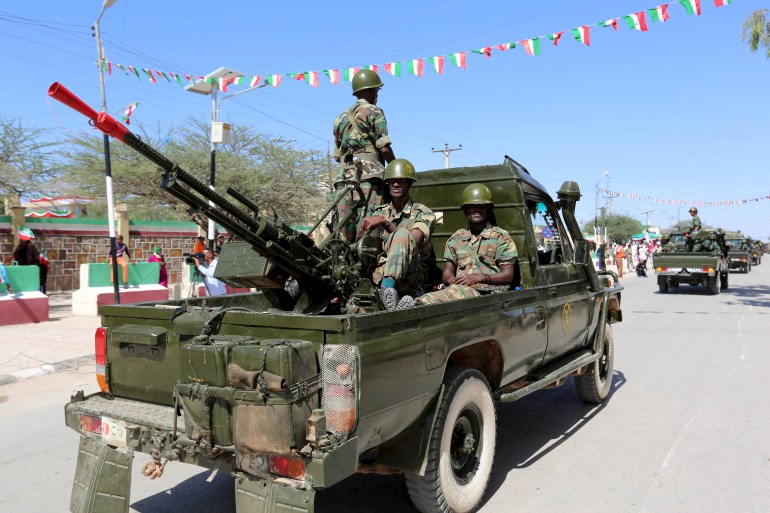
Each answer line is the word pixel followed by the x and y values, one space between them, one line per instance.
pixel 659 13
pixel 691 6
pixel 394 68
pixel 532 46
pixel 583 34
pixel 415 67
pixel 458 58
pixel 438 63
pixel 636 21
pixel 334 75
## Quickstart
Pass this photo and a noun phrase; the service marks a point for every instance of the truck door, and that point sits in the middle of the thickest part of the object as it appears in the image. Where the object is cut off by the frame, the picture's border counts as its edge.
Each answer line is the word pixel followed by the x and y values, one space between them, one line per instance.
pixel 563 283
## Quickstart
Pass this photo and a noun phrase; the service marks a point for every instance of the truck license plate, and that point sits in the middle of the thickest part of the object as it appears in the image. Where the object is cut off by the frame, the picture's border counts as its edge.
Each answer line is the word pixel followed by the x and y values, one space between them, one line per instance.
pixel 114 432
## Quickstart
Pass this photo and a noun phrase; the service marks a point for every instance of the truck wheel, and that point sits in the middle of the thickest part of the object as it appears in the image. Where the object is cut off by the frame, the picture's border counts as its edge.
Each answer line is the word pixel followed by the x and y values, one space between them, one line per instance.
pixel 723 278
pixel 462 447
pixel 662 285
pixel 594 385
pixel 714 284
pixel 674 284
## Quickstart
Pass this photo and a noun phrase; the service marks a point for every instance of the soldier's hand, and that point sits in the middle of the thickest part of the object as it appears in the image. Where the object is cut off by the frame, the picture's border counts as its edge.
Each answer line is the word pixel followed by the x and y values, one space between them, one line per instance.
pixel 371 223
pixel 469 279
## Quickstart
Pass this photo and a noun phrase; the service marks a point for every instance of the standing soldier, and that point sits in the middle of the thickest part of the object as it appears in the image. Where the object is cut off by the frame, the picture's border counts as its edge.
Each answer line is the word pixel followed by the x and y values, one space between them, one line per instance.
pixel 362 146
pixel 695 225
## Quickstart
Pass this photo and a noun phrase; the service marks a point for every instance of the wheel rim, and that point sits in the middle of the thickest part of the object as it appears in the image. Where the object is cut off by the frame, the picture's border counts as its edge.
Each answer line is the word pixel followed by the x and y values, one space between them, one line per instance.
pixel 466 445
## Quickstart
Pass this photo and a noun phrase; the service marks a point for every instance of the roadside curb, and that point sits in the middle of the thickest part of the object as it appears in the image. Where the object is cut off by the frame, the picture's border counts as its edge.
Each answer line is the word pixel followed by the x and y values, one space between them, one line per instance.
pixel 46 368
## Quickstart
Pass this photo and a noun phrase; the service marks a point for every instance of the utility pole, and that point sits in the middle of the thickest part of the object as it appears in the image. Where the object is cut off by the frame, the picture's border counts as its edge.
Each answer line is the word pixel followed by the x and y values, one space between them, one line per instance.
pixel 446 151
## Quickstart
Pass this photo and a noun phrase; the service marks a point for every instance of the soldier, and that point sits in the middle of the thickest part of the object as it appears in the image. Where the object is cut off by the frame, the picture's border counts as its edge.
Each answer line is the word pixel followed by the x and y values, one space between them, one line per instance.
pixel 362 146
pixel 483 253
pixel 405 229
pixel 695 224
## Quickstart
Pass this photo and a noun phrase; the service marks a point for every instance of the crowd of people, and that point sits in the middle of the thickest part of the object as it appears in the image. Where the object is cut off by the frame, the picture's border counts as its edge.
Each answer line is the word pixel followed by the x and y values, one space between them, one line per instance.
pixel 631 256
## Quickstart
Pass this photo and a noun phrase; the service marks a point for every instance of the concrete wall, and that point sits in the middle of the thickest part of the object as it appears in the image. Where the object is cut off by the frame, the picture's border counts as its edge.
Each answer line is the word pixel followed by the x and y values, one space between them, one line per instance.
pixel 72 242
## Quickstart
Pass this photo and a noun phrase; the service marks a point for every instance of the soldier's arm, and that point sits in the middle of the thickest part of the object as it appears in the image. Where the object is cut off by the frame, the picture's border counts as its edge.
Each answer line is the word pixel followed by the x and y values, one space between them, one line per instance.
pixel 448 276
pixel 386 152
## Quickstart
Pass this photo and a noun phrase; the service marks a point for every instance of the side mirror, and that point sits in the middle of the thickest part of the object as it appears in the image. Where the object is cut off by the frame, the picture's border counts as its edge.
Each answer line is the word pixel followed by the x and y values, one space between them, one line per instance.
pixel 581 252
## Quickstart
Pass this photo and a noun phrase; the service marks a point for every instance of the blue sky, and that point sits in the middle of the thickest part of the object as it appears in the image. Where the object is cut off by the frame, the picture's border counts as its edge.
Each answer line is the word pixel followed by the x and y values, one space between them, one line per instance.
pixel 676 113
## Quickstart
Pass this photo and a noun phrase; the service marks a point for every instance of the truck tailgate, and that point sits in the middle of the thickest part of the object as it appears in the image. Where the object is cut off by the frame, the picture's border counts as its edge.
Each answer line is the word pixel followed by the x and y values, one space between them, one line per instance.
pixel 132 412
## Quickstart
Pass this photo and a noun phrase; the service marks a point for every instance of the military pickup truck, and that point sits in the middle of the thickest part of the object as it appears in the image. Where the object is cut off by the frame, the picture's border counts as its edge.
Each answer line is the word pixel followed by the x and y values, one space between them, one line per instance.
pixel 694 260
pixel 757 250
pixel 309 381
pixel 739 253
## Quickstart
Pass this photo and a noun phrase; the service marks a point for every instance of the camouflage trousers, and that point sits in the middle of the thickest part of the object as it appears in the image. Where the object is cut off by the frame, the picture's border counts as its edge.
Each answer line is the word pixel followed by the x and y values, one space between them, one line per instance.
pixel 445 295
pixel 368 175
pixel 400 261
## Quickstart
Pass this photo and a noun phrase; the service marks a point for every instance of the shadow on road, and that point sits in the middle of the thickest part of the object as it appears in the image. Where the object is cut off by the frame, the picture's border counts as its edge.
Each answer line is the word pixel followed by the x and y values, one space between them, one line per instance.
pixel 750 295
pixel 527 430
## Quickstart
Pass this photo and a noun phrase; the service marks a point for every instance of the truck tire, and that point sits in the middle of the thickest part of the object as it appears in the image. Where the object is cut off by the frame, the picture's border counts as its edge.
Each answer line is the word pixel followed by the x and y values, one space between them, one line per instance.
pixel 461 448
pixel 662 285
pixel 723 278
pixel 714 284
pixel 594 385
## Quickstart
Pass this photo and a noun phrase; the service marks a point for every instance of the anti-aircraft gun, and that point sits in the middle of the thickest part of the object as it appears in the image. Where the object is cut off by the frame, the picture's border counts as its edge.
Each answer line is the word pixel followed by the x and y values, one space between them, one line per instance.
pixel 333 274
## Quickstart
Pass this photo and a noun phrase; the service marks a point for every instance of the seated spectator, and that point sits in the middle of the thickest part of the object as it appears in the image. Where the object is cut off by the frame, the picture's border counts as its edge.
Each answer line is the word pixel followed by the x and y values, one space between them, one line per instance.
pixel 157 257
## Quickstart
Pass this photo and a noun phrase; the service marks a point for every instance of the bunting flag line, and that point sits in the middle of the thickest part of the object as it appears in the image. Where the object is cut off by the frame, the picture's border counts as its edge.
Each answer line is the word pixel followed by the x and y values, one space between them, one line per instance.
pixel 635 21
pixel 129 110
pixel 680 202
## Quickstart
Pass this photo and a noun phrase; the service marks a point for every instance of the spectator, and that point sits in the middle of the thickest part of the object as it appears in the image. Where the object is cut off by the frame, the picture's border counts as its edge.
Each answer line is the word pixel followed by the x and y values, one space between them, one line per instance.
pixel 220 241
pixel 122 256
pixel 629 260
pixel 643 255
pixel 45 266
pixel 199 245
pixel 214 287
pixel 157 257
pixel 620 255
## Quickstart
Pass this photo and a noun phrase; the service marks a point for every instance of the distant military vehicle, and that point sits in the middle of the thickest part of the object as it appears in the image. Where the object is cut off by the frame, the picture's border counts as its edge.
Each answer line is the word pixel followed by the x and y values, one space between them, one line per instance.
pixel 757 250
pixel 303 384
pixel 694 260
pixel 739 253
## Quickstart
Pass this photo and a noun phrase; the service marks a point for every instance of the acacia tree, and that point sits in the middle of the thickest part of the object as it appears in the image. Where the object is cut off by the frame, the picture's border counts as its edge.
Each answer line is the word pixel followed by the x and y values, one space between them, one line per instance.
pixel 26 162
pixel 619 227
pixel 756 31
pixel 268 171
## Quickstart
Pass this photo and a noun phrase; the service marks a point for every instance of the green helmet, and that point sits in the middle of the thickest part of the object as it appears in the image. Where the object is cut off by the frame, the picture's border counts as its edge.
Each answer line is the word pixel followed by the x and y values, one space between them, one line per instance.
pixel 400 168
pixel 477 194
pixel 693 210
pixel 366 79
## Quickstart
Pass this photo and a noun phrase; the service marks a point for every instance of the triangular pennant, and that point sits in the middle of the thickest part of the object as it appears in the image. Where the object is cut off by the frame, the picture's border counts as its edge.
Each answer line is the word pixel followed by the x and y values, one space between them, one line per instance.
pixel 636 21
pixel 176 77
pixel 254 81
pixel 129 110
pixel 394 68
pixel 458 58
pixel 613 22
pixel 659 13
pixel 722 3
pixel 487 50
pixel 583 34
pixel 150 75
pixel 691 6
pixel 121 68
pixel 415 67
pixel 556 37
pixel 531 46
pixel 505 46
pixel 135 72
pixel 334 75
pixel 372 67
pixel 274 80
pixel 348 73
pixel 311 77
pixel 438 63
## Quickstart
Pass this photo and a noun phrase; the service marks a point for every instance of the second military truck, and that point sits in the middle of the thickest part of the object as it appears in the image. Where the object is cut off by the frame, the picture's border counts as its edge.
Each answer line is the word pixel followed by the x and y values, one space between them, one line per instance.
pixel 298 387
pixel 699 260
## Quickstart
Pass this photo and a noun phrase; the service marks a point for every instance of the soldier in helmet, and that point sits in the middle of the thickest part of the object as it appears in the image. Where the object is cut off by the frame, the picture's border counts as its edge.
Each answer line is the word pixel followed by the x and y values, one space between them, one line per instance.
pixel 483 253
pixel 362 146
pixel 405 229
pixel 695 224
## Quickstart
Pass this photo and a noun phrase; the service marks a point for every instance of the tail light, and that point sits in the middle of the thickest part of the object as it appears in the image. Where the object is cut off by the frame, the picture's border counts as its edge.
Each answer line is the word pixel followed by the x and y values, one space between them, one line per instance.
pixel 100 352
pixel 289 467
pixel 340 383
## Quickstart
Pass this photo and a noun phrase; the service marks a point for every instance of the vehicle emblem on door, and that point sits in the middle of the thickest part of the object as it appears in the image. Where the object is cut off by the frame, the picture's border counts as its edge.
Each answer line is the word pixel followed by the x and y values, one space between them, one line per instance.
pixel 566 317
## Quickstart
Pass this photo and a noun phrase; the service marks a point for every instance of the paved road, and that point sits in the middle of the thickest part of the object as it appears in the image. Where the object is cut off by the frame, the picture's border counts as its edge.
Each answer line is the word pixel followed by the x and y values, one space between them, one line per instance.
pixel 686 428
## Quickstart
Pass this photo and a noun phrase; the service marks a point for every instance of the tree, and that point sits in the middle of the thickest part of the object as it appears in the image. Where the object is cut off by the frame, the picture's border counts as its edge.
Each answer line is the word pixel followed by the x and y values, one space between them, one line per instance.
pixel 756 30
pixel 268 171
pixel 26 164
pixel 619 227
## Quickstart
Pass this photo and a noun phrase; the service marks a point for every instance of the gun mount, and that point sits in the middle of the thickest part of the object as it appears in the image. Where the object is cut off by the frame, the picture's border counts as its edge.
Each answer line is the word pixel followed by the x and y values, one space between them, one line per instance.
pixel 334 275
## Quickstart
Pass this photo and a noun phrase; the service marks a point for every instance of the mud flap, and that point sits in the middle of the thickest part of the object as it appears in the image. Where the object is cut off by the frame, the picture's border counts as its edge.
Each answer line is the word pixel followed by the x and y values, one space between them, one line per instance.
pixel 257 496
pixel 102 480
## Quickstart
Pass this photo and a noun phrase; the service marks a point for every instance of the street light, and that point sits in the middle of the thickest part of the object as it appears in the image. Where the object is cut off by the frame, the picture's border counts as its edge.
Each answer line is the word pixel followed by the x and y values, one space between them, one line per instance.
pixel 107 166
pixel 647 218
pixel 208 86
pixel 596 207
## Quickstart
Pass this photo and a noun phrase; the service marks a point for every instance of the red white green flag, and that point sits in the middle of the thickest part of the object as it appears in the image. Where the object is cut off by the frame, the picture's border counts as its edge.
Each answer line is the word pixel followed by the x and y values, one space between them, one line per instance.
pixel 556 37
pixel 107 66
pixel 223 83
pixel 394 68
pixel 636 21
pixel 659 13
pixel 311 77
pixel 372 67
pixel 458 58
pixel 505 46
pixel 150 75
pixel 613 22
pixel 129 110
pixel 532 46
pixel 254 81
pixel 274 80
pixel 415 67
pixel 348 73
pixel 121 68
pixel 334 75
pixel 176 77
pixel 691 6
pixel 487 50
pixel 583 34
pixel 189 78
pixel 160 73
pixel 438 63
pixel 722 3
pixel 239 81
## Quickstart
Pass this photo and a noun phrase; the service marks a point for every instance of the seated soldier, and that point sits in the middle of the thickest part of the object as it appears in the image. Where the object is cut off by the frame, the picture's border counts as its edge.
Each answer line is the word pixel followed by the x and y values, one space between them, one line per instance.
pixel 406 228
pixel 481 254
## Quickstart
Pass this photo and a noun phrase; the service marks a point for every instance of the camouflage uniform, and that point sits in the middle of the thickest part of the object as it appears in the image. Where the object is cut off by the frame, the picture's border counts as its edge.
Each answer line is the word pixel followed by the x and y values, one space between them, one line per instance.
pixel 485 253
pixel 695 225
pixel 361 140
pixel 402 260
